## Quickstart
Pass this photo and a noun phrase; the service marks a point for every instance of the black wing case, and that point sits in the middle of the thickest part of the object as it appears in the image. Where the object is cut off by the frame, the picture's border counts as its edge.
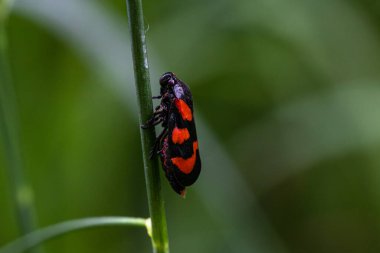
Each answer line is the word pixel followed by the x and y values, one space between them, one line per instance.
pixel 182 140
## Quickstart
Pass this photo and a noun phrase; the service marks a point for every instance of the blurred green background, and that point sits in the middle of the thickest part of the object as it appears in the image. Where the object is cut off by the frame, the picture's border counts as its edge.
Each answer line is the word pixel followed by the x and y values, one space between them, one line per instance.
pixel 287 98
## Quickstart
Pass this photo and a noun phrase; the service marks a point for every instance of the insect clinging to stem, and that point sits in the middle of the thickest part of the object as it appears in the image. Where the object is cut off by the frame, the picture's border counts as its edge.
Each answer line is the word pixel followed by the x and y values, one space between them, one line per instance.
pixel 177 144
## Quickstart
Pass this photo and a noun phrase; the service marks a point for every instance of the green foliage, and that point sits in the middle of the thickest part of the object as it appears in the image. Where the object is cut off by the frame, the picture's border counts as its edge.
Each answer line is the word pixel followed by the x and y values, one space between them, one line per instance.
pixel 287 102
pixel 42 235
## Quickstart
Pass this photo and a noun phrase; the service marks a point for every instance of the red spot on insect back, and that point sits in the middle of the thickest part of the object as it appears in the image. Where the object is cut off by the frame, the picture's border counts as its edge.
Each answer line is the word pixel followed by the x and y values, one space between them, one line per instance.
pixel 186 165
pixel 184 110
pixel 180 135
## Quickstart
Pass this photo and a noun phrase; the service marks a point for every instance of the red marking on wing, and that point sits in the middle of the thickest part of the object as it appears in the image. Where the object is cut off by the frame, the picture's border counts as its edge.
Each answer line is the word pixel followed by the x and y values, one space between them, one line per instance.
pixel 186 165
pixel 180 135
pixel 184 110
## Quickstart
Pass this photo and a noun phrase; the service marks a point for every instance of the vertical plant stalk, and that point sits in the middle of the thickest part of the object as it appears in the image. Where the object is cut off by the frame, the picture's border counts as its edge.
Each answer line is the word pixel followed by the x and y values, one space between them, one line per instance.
pixel 21 193
pixel 144 97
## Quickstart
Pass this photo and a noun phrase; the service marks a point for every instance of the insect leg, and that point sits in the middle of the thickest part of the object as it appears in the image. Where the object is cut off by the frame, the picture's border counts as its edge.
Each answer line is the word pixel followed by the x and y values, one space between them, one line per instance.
pixel 158 141
pixel 154 121
pixel 157 117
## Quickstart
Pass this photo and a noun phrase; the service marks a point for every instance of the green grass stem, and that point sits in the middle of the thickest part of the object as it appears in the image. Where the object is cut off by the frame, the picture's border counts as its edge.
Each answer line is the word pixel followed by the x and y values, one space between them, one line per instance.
pixel 37 237
pixel 144 97
pixel 21 193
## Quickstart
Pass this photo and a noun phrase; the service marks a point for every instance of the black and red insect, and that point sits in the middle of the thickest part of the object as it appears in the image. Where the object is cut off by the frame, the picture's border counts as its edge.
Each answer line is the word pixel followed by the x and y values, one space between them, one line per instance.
pixel 177 144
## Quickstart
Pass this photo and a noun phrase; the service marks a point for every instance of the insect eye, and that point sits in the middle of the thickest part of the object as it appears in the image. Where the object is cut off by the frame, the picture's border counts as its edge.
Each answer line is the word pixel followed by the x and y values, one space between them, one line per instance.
pixel 167 79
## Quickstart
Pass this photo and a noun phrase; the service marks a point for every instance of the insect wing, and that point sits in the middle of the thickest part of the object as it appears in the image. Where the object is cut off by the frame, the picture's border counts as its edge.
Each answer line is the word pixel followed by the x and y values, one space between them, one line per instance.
pixel 182 139
pixel 168 168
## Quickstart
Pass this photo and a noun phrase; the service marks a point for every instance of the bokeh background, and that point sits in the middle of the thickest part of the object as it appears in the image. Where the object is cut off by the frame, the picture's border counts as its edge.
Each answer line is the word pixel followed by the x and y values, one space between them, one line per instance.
pixel 287 98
